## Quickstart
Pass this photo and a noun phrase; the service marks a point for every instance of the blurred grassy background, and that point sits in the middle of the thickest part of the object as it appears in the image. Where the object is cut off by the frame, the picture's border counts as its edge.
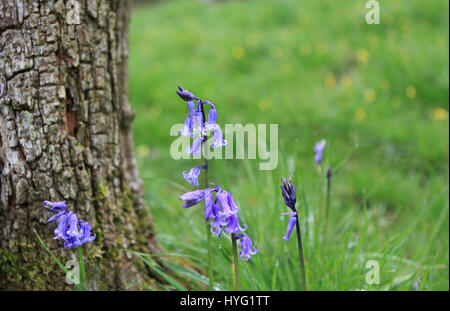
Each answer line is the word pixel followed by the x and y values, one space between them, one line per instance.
pixel 377 93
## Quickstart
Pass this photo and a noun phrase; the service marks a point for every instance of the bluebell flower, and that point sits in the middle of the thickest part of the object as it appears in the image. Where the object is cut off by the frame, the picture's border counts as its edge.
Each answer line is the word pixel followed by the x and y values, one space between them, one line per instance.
pixel 212 117
pixel 192 176
pixel 227 203
pixel 290 198
pixel 318 149
pixel 289 194
pixel 196 146
pixel 192 198
pixel 61 230
pixel 188 127
pixel 55 206
pixel 218 140
pixel 217 225
pixel 233 225
pixel 185 94
pixel 73 231
pixel 85 232
pixel 291 224
pixel 247 248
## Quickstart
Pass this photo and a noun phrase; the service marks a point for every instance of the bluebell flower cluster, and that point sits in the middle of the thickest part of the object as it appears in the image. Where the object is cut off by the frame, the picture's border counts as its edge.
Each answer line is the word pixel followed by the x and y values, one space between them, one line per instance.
pixel 220 208
pixel 199 128
pixel 222 212
pixel 290 198
pixel 72 230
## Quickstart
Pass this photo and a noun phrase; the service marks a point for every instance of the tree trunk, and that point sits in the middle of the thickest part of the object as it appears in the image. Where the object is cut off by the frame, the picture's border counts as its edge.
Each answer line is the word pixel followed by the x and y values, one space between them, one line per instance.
pixel 66 134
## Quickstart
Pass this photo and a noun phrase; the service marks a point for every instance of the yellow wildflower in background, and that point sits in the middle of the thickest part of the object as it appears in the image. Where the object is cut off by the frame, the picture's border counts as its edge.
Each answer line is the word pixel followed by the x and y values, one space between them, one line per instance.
pixel 238 52
pixel 440 114
pixel 362 55
pixel 143 151
pixel 411 91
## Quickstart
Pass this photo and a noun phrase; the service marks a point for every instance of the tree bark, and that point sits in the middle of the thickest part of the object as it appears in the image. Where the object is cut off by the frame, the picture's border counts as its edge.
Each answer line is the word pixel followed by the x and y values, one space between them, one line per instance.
pixel 66 134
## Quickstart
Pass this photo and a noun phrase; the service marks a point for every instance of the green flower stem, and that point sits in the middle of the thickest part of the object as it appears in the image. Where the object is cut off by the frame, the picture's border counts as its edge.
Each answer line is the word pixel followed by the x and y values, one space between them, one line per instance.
pixel 208 227
pixel 237 282
pixel 300 255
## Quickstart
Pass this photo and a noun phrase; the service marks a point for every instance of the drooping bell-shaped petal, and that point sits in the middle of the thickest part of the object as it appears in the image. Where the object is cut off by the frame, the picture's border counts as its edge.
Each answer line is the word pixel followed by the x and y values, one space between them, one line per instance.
pixel 217 225
pixel 55 216
pixel 60 231
pixel 188 127
pixel 227 204
pixel 85 232
pixel 209 205
pixel 247 248
pixel 192 198
pixel 191 107
pixel 218 140
pixel 291 224
pixel 72 221
pixel 288 192
pixel 192 176
pixel 197 123
pixel 185 94
pixel 196 147
pixel 211 123
pixel 72 241
pixel 318 149
pixel 233 225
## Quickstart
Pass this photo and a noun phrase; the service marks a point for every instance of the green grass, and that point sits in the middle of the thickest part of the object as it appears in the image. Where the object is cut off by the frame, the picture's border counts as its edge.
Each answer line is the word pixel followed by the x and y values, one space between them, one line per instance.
pixel 377 93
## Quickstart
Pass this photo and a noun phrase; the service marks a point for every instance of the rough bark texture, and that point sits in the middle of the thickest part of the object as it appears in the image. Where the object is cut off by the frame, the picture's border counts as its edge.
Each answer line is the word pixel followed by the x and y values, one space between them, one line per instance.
pixel 66 134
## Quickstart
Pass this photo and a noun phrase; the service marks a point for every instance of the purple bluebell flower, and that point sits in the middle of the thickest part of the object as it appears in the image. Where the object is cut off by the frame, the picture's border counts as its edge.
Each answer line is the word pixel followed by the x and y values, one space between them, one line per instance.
pixel 218 140
pixel 227 203
pixel 192 198
pixel 233 225
pixel 289 194
pixel 185 94
pixel 73 231
pixel 192 176
pixel 318 149
pixel 197 120
pixel 55 206
pixel 291 224
pixel 247 248
pixel 61 230
pixel 217 225
pixel 85 232
pixel 212 117
pixel 196 147
pixel 188 127
pixel 290 198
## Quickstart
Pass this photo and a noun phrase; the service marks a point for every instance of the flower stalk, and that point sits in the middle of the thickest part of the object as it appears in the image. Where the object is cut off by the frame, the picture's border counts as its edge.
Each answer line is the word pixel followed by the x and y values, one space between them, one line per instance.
pixel 300 255
pixel 290 198
pixel 237 281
